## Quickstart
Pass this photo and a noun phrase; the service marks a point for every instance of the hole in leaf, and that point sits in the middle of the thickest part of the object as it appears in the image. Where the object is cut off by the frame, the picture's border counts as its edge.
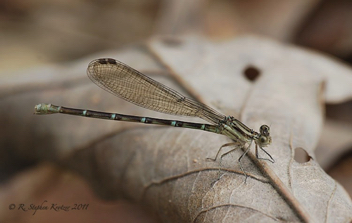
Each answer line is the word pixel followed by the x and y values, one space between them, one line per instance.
pixel 251 73
pixel 301 156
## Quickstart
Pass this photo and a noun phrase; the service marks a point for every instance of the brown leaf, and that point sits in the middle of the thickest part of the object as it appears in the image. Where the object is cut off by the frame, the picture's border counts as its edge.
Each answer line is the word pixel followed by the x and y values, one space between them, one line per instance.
pixel 327 29
pixel 335 141
pixel 166 168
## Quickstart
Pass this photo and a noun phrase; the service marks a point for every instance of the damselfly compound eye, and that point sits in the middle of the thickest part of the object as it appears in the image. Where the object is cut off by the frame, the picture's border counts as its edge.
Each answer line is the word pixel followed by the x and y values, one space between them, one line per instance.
pixel 264 130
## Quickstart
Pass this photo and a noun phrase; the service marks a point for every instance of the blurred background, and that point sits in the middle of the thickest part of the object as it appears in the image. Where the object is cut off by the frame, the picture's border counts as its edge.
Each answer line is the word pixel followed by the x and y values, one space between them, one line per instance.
pixel 37 32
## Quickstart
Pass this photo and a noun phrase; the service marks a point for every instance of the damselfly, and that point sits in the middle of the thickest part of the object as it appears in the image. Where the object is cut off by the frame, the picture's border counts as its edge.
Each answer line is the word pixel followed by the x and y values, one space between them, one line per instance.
pixel 135 87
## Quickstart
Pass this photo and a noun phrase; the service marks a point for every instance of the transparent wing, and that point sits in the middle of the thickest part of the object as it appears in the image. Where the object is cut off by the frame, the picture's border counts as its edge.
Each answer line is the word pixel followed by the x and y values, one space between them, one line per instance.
pixel 133 86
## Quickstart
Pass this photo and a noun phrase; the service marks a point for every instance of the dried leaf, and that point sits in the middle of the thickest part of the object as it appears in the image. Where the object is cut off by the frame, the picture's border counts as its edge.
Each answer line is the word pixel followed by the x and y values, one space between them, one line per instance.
pixel 165 167
pixel 335 141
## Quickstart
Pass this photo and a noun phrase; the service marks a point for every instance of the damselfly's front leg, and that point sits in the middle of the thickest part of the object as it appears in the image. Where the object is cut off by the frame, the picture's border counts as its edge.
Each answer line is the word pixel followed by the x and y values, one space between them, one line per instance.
pixel 259 158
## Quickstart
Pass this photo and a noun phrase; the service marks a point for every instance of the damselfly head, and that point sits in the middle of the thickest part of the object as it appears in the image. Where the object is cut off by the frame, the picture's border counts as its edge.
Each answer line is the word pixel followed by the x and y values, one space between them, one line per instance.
pixel 264 138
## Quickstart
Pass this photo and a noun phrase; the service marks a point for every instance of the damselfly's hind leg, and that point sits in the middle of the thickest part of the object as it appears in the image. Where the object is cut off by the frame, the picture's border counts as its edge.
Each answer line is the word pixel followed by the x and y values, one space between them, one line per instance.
pixel 236 145
pixel 225 145
pixel 259 158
